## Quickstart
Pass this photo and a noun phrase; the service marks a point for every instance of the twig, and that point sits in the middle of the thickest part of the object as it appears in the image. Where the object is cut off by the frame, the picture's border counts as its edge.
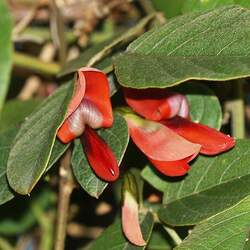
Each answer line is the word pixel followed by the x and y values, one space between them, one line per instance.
pixel 34 64
pixel 147 6
pixel 172 233
pixel 121 40
pixel 58 31
pixel 66 187
pixel 21 25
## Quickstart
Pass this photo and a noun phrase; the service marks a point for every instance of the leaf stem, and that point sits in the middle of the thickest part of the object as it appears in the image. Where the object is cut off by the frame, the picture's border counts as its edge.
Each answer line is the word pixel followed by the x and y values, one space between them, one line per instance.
pixel 172 233
pixel 34 64
pixel 66 187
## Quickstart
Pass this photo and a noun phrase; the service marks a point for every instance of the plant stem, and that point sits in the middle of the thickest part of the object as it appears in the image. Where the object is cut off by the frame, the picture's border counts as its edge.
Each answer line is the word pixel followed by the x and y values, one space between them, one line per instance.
pixel 4 245
pixel 34 64
pixel 172 233
pixel 45 221
pixel 147 6
pixel 66 187
pixel 123 39
pixel 236 108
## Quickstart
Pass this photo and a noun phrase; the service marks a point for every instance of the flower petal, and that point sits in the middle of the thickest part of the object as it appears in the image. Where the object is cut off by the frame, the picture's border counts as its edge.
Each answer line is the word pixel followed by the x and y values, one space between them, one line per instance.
pixel 211 140
pixel 173 168
pixel 99 155
pixel 130 221
pixel 97 91
pixel 130 210
pixel 156 104
pixel 157 141
pixel 90 105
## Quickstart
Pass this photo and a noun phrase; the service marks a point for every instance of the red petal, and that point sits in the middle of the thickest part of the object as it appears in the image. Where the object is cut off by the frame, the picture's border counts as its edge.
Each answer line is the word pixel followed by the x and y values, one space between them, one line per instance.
pixel 97 91
pixel 78 95
pixel 91 85
pixel 99 155
pixel 211 140
pixel 130 221
pixel 156 104
pixel 173 168
pixel 65 134
pixel 158 142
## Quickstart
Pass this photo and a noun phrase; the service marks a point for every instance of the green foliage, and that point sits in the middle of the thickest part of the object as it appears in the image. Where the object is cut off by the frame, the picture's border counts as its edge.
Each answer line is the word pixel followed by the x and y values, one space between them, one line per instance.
pixel 25 212
pixel 117 138
pixel 199 5
pixel 214 195
pixel 6 140
pixel 5 50
pixel 15 111
pixel 159 239
pixel 226 230
pixel 209 45
pixel 169 7
pixel 212 185
pixel 113 237
pixel 32 148
pixel 178 7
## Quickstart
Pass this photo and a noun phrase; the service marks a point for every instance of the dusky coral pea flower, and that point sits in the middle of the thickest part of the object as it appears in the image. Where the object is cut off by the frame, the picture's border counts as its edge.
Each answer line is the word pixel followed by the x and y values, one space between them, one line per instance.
pixel 89 109
pixel 130 211
pixel 170 140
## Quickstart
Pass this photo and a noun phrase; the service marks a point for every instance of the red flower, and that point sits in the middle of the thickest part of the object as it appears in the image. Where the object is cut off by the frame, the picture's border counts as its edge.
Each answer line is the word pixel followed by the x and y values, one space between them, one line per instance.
pixel 90 108
pixel 170 140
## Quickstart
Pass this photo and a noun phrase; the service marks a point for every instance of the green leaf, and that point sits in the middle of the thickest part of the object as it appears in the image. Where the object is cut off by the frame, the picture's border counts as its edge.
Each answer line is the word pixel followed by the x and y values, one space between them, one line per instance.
pixel 155 179
pixel 5 50
pixel 211 45
pixel 117 138
pixel 6 140
pixel 169 7
pixel 57 151
pixel 212 185
pixel 203 104
pixel 201 5
pixel 32 148
pixel 118 241
pixel 15 111
pixel 98 55
pixel 226 230
pixel 159 240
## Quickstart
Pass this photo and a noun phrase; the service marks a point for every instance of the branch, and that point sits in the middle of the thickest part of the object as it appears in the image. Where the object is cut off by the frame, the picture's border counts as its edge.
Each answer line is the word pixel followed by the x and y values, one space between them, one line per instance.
pixel 66 187
pixel 34 64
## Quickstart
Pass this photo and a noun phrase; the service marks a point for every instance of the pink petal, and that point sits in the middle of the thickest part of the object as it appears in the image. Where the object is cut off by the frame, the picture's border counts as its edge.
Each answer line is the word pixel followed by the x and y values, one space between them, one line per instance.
pixel 159 142
pixel 130 221
pixel 99 155
pixel 211 140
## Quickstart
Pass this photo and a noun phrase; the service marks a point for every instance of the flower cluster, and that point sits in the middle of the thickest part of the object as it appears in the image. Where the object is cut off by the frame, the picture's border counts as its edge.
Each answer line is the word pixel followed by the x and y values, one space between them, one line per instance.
pixel 166 136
